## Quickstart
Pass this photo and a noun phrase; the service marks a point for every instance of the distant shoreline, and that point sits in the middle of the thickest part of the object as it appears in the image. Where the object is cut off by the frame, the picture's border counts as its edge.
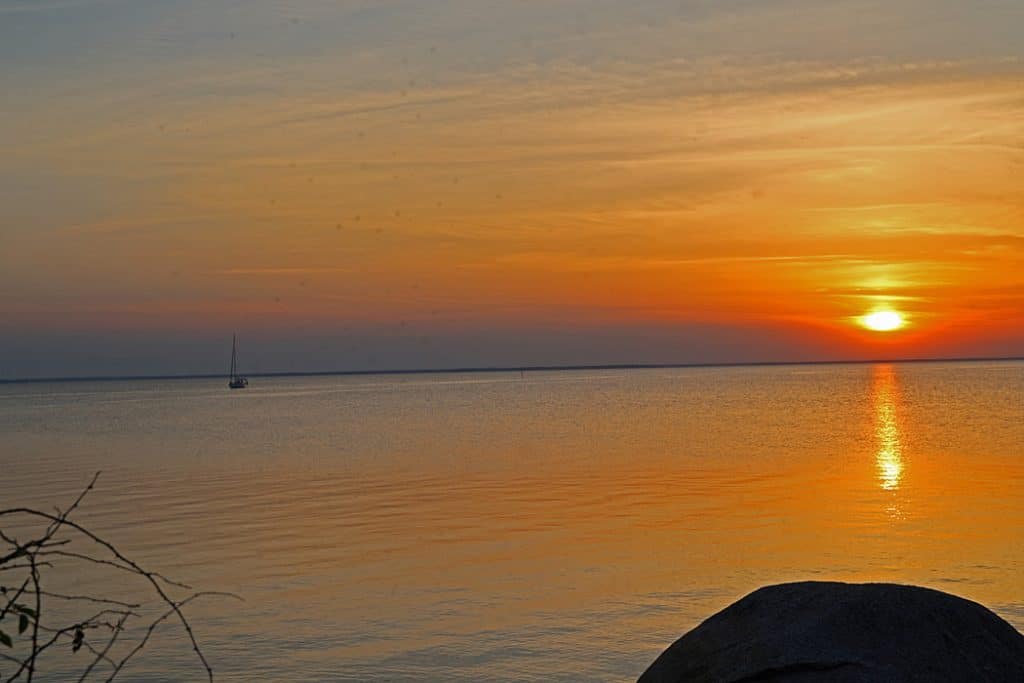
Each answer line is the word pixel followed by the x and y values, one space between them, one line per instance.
pixel 510 368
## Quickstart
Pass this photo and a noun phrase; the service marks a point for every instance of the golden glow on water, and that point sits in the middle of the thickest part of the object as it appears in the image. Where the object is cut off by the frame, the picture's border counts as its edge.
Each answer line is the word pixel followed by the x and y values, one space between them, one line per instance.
pixel 411 527
pixel 889 459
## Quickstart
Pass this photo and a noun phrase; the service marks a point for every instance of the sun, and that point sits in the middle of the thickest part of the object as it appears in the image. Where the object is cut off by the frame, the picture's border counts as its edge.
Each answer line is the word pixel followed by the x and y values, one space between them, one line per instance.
pixel 883 321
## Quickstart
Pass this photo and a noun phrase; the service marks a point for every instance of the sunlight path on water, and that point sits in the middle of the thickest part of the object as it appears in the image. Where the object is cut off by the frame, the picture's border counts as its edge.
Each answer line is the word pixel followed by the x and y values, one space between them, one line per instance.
pixel 563 525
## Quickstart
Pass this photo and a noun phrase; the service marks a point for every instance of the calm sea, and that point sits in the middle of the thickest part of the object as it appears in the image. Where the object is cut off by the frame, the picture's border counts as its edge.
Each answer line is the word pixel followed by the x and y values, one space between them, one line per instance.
pixel 557 526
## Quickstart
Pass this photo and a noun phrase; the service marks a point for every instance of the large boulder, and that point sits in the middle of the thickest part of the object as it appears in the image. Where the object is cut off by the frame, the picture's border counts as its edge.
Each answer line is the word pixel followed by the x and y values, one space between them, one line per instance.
pixel 845 633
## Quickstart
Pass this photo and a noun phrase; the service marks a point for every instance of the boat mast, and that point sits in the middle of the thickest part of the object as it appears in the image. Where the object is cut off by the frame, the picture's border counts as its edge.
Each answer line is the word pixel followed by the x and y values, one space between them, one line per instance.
pixel 233 352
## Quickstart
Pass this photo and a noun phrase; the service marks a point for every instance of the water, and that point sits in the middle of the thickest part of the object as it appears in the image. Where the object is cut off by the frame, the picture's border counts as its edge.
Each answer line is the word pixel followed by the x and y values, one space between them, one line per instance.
pixel 560 526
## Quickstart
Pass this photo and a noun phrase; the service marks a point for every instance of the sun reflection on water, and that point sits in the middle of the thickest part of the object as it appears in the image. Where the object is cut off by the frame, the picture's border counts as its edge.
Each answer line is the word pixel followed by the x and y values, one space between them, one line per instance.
pixel 889 458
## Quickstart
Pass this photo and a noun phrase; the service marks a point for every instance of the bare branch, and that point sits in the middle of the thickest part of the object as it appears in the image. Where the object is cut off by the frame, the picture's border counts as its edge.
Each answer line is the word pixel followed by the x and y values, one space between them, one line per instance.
pixel 46 548
pixel 35 621
pixel 156 622
pixel 89 598
pixel 102 655
pixel 96 560
pixel 14 600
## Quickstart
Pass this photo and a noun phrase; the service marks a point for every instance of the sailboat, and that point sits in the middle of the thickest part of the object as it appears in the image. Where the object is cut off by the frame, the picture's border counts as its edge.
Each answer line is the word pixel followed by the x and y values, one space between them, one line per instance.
pixel 236 381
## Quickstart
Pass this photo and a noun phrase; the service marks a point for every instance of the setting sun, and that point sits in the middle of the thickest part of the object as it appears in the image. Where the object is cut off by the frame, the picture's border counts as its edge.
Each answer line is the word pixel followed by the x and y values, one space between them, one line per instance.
pixel 883 321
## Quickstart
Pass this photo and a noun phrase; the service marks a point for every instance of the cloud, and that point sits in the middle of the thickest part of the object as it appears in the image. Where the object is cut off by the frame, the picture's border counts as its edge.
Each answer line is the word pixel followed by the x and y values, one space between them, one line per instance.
pixel 516 162
pixel 46 6
pixel 300 270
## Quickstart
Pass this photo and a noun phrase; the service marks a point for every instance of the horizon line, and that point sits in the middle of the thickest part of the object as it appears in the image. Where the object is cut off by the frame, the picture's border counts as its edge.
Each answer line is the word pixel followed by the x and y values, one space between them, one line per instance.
pixel 505 368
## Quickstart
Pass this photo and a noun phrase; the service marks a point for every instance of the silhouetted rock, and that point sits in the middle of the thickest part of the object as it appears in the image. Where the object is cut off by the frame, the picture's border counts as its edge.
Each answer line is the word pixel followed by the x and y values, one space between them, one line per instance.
pixel 845 633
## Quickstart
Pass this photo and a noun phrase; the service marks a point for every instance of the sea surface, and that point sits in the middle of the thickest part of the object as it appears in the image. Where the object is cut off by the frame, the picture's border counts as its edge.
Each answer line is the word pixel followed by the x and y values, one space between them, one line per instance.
pixel 560 525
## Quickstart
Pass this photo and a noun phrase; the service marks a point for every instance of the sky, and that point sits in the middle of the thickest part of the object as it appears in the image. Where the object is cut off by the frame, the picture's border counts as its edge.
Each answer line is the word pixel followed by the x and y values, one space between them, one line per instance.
pixel 358 185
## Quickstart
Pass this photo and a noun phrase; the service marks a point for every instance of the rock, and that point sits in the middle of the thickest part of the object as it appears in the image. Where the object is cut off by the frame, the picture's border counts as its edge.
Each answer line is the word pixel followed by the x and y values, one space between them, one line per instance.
pixel 845 633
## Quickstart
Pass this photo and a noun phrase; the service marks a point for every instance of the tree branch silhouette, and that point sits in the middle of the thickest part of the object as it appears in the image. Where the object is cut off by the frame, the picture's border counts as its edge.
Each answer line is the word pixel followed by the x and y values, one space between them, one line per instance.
pixel 23 599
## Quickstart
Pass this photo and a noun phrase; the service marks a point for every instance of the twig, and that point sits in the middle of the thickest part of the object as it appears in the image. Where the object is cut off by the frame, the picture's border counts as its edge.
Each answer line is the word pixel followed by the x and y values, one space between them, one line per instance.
pixel 12 601
pixel 35 620
pixel 96 560
pixel 89 598
pixel 102 656
pixel 38 552
pixel 156 622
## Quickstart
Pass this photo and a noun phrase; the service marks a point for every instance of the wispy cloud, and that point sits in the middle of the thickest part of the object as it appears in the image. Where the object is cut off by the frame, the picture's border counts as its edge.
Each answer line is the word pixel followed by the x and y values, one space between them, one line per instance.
pixel 660 158
pixel 22 6
pixel 298 270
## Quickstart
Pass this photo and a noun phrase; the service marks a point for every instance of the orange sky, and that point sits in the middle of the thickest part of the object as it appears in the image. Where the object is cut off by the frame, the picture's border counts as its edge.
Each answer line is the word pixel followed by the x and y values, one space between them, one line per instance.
pixel 539 168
